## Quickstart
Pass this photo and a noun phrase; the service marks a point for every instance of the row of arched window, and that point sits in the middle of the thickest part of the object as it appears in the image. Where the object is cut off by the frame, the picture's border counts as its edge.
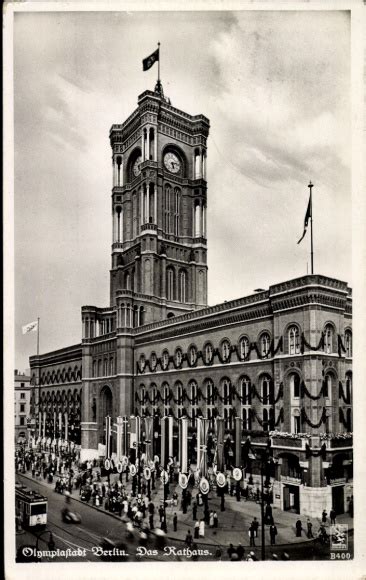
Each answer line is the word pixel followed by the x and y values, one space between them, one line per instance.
pixel 103 367
pixel 292 345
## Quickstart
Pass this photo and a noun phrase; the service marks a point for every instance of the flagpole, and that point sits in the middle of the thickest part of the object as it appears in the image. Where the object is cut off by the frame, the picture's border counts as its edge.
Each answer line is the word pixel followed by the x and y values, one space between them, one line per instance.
pixel 37 336
pixel 310 186
pixel 159 63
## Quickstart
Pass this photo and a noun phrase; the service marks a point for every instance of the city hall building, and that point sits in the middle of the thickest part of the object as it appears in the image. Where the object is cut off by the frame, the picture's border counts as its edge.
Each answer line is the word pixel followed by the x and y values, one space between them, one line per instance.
pixel 275 366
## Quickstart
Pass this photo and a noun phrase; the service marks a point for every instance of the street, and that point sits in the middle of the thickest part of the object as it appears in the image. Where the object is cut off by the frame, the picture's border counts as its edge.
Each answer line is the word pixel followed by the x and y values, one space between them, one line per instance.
pixel 96 525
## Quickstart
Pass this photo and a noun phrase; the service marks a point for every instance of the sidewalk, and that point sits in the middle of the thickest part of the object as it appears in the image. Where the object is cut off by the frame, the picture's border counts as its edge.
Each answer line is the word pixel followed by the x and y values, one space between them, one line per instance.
pixel 233 523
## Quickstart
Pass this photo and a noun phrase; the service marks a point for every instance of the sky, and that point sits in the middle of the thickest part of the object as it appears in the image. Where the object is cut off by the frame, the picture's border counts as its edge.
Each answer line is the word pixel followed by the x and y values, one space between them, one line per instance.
pixel 276 88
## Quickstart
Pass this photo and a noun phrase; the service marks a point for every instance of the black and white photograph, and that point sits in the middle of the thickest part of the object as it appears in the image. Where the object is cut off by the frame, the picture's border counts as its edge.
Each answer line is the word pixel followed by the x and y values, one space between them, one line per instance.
pixel 183 254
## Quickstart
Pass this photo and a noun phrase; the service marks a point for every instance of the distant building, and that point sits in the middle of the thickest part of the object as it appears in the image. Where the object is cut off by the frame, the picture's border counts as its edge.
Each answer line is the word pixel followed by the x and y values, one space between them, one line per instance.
pixel 22 395
pixel 275 366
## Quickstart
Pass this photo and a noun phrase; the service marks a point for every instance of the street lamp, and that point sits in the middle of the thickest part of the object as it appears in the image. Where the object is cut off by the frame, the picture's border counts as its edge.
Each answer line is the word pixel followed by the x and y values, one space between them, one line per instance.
pixel 264 458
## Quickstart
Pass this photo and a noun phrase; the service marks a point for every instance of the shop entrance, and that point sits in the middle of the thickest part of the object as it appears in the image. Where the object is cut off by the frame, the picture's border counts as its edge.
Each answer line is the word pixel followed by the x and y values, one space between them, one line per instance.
pixel 338 499
pixel 291 498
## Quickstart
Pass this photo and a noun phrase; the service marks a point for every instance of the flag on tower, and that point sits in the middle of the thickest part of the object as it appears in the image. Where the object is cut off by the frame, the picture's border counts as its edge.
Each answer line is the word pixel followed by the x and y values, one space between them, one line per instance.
pixel 31 327
pixel 150 60
pixel 306 222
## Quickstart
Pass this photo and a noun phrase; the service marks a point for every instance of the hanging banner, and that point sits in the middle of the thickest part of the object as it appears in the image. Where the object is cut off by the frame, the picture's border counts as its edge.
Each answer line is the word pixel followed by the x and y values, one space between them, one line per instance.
pixel 147 473
pixel 107 464
pixel 202 436
pixel 166 439
pixel 183 444
pixel 237 474
pixel 132 469
pixel 148 438
pixel 220 479
pixel 108 434
pixel 119 467
pixel 238 429
pixel 220 430
pixel 164 477
pixel 183 480
pixel 152 465
pixel 204 486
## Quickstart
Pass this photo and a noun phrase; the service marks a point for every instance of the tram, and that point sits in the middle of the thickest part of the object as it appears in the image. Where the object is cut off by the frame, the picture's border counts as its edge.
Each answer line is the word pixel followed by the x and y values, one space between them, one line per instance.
pixel 30 507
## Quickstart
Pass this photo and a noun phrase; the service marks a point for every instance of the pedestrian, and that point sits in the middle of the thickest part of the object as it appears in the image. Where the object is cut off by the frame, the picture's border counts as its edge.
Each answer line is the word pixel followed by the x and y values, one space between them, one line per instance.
pixel 194 510
pixel 298 528
pixel 211 519
pixel 215 520
pixel 310 528
pixel 251 535
pixel 332 516
pixel 324 517
pixel 255 525
pixel 201 532
pixel 207 515
pixel 240 551
pixel 189 539
pixel 151 521
pixel 195 551
pixel 161 512
pixel 175 522
pixel 273 534
pixel 196 529
pixel 199 498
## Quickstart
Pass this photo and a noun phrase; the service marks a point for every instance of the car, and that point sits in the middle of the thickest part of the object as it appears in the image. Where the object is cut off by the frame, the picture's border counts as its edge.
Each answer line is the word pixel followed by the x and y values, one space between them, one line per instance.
pixel 70 517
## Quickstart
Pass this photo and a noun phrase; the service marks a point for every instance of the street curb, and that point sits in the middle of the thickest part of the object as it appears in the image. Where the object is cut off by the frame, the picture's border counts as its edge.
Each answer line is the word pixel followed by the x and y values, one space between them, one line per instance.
pixel 119 519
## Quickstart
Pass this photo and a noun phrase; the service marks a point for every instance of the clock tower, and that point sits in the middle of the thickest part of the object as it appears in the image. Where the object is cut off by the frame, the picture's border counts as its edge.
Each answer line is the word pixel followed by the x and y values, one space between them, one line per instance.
pixel 159 202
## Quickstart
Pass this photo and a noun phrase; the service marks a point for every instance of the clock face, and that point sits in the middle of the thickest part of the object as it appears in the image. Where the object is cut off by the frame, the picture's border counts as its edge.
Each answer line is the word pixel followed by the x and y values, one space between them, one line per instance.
pixel 172 162
pixel 136 166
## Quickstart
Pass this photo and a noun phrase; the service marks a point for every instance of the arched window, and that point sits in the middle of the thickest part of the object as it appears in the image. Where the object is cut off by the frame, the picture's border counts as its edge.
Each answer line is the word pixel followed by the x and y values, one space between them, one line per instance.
pixel 127 281
pixel 228 418
pixel 183 286
pixel 244 346
pixel 165 395
pixel 329 339
pixel 176 211
pixel 265 420
pixel 210 397
pixel 167 208
pixel 349 385
pixel 192 354
pixel 267 389
pixel 293 340
pixel 94 368
pixel 105 367
pixel 348 343
pixel 153 361
pixel 154 398
pixel 178 355
pixel 142 399
pixel 179 397
pixel 328 384
pixel 246 394
pixel 208 352
pixel 111 366
pixel 193 394
pixel 225 350
pixel 99 368
pixel 170 283
pixel 165 359
pixel 246 419
pixel 294 381
pixel 227 392
pixel 265 343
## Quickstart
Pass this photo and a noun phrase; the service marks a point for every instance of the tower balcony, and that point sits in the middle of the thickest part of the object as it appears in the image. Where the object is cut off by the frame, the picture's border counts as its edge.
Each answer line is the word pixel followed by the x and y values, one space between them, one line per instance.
pixel 149 227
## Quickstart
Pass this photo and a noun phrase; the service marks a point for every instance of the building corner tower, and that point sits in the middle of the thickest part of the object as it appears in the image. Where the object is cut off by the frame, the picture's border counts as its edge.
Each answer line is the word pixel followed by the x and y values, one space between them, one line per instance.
pixel 159 202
